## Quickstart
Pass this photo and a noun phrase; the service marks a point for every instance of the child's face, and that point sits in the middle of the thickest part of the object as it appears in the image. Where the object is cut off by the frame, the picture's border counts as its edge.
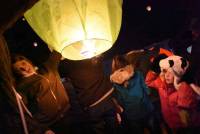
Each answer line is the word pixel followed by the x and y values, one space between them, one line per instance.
pixel 23 68
pixel 169 77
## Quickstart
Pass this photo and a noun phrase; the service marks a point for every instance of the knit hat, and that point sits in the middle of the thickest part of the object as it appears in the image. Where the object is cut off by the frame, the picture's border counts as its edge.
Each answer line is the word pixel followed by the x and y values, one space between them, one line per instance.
pixel 178 64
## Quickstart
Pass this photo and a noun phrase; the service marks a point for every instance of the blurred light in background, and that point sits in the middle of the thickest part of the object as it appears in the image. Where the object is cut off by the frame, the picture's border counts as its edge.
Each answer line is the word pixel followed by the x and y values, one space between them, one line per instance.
pixel 148 8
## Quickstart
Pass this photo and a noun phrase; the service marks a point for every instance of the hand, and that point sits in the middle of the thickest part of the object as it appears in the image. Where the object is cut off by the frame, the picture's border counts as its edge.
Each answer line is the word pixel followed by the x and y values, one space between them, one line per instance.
pixel 49 132
pixel 162 76
pixel 50 48
pixel 119 109
pixel 195 88
pixel 184 116
pixel 176 82
pixel 62 58
pixel 118 118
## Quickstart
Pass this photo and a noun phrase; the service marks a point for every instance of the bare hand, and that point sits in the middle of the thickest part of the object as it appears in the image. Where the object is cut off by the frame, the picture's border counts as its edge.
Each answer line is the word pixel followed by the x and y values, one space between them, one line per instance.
pixel 119 119
pixel 177 82
pixel 162 76
pixel 49 132
pixel 184 116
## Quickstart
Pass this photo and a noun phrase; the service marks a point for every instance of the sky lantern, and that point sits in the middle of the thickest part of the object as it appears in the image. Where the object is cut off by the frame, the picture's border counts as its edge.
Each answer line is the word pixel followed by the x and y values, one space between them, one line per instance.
pixel 78 29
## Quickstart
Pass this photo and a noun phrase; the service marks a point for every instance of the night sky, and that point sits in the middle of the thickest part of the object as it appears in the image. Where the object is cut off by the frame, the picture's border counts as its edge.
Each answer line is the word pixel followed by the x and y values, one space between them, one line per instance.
pixel 140 28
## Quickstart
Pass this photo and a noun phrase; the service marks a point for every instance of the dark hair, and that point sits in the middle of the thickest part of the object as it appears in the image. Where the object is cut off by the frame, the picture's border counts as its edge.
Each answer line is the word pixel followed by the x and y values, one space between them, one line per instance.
pixel 18 57
pixel 120 62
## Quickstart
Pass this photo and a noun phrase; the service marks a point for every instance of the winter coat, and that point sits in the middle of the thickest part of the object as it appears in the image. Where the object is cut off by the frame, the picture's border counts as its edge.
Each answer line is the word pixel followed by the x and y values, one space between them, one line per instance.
pixel 134 98
pixel 44 93
pixel 10 121
pixel 88 79
pixel 173 101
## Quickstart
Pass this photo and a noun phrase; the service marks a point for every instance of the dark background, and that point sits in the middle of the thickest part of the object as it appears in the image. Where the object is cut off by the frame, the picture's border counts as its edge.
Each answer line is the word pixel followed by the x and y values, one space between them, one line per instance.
pixel 168 19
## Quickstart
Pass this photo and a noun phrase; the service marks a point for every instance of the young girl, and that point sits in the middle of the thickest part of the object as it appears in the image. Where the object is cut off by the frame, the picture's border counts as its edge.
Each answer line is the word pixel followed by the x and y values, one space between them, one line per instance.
pixel 132 94
pixel 178 103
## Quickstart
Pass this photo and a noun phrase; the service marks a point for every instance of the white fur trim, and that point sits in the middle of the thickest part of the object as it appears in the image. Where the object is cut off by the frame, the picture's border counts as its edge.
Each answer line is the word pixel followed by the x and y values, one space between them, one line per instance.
pixel 123 74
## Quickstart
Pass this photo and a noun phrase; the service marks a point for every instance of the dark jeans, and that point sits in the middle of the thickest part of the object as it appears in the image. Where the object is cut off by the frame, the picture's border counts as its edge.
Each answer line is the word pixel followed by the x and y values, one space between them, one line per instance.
pixel 62 126
pixel 101 118
pixel 76 116
pixel 138 126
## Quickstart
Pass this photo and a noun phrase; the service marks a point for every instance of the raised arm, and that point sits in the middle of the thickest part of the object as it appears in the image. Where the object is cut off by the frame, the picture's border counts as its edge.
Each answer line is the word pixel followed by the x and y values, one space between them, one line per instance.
pixel 143 84
pixel 153 80
pixel 184 97
pixel 53 60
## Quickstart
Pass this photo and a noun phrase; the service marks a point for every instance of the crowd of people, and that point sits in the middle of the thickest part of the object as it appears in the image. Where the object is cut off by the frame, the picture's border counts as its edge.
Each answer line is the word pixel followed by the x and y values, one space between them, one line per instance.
pixel 145 93
pixel 121 104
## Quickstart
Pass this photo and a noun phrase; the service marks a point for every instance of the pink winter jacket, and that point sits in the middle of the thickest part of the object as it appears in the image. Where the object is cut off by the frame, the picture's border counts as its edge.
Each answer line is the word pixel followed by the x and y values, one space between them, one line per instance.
pixel 172 101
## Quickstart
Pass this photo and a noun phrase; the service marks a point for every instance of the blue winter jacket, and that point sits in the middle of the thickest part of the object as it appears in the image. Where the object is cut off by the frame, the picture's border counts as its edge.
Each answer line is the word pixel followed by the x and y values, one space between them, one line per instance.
pixel 134 98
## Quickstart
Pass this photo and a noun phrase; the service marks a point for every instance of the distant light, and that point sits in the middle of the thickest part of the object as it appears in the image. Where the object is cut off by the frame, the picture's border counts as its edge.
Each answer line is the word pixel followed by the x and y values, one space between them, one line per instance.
pixel 23 19
pixel 35 44
pixel 148 8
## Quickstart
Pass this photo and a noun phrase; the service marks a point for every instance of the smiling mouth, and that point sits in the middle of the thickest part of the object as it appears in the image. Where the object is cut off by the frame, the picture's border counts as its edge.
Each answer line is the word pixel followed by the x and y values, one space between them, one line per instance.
pixel 22 69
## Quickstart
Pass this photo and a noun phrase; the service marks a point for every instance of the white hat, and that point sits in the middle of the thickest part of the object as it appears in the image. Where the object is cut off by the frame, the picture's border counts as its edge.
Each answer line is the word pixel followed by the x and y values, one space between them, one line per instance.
pixel 178 64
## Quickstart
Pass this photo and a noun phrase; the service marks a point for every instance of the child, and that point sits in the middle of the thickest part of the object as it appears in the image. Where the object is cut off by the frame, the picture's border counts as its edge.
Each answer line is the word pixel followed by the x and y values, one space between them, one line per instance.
pixel 132 94
pixel 178 100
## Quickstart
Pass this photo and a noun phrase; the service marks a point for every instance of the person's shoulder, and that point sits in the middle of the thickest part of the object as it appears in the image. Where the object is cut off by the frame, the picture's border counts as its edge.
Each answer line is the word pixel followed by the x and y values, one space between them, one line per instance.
pixel 184 85
pixel 28 82
pixel 36 79
pixel 118 87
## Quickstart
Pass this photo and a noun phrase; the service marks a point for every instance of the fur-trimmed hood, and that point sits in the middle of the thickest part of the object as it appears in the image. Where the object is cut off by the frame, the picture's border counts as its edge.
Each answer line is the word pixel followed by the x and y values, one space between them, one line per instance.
pixel 123 74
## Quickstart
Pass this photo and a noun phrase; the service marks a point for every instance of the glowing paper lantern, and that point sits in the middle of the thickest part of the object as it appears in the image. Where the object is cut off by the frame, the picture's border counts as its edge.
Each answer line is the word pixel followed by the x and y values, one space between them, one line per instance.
pixel 78 29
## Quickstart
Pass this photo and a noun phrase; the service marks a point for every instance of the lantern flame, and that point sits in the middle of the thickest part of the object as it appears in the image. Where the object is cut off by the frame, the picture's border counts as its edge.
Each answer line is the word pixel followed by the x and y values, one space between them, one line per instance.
pixel 88 49
pixel 78 29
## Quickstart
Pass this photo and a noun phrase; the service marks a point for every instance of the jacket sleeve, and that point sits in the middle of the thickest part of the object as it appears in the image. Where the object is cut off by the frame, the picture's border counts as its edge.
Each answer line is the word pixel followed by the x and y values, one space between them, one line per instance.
pixel 184 97
pixel 117 96
pixel 37 98
pixel 153 80
pixel 143 84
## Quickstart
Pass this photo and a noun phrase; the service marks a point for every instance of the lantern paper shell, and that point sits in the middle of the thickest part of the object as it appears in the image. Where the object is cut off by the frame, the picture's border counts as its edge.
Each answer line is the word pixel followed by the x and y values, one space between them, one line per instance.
pixel 78 29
